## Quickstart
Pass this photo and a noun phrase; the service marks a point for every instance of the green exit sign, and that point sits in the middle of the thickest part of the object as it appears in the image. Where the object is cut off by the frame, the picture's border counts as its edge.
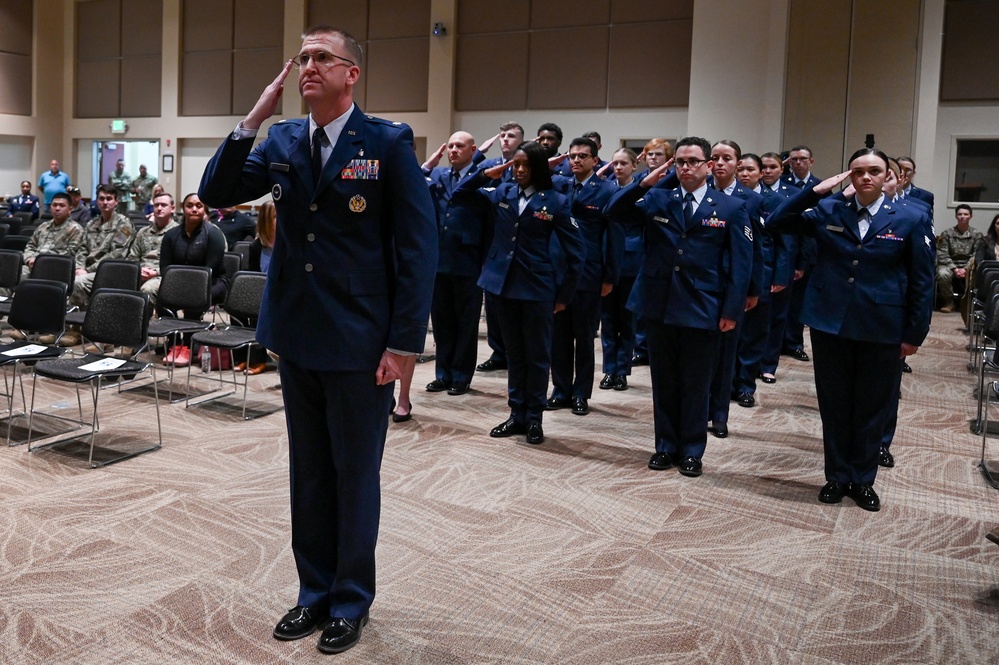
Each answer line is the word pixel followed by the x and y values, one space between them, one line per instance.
pixel 118 126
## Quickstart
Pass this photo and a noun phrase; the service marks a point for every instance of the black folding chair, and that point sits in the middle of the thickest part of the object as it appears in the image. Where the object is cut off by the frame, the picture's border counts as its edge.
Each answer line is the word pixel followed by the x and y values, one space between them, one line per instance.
pixel 242 304
pixel 38 307
pixel 117 318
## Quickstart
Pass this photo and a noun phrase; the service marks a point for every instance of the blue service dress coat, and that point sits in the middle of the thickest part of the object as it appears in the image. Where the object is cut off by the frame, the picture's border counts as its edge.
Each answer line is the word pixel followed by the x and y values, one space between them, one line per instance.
pixel 338 293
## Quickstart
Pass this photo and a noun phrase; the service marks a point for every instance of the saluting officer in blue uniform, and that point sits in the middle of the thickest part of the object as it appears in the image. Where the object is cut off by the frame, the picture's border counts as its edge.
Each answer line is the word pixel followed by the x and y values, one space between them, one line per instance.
pixel 520 272
pixel 573 358
pixel 867 305
pixel 346 306
pixel 463 233
pixel 691 288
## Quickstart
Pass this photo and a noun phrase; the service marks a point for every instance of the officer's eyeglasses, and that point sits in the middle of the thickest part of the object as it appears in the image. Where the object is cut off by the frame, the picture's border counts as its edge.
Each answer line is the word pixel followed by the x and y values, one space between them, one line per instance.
pixel 688 163
pixel 322 59
pixel 579 155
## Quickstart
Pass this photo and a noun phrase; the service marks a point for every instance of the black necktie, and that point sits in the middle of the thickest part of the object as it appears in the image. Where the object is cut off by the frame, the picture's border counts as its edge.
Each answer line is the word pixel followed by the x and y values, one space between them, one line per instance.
pixel 453 180
pixel 577 187
pixel 688 207
pixel 317 154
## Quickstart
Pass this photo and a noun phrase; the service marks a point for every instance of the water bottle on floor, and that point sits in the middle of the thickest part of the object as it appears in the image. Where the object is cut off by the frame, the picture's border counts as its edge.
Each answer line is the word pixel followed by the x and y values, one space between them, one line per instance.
pixel 206 359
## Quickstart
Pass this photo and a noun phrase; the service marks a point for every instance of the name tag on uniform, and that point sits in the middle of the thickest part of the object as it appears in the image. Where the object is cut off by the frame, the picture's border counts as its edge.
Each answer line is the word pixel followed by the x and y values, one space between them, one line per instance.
pixel 278 166
pixel 504 205
pixel 714 223
pixel 837 229
pixel 664 220
pixel 360 169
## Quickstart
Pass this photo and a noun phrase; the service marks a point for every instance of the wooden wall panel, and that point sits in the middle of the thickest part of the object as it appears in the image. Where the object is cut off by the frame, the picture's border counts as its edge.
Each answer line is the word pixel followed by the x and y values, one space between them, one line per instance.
pixel 970 69
pixel 478 85
pixel 660 81
pixel 348 15
pixel 569 13
pixel 15 74
pixel 478 16
pixel 16 17
pixel 642 11
pixel 398 75
pixel 97 86
pixel 557 82
pixel 141 86
pixel 207 84
pixel 207 25
pixel 256 69
pixel 397 19
pixel 98 29
pixel 258 24
pixel 141 33
pixel 818 63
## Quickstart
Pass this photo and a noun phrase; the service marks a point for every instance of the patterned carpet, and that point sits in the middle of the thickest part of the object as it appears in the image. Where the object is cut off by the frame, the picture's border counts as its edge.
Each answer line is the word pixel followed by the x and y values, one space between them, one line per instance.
pixel 493 551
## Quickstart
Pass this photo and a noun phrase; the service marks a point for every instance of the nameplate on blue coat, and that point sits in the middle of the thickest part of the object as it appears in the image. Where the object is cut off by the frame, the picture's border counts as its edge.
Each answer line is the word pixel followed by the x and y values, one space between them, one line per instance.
pixel 360 169
pixel 837 229
pixel 277 166
pixel 504 205
pixel 664 220
pixel 714 223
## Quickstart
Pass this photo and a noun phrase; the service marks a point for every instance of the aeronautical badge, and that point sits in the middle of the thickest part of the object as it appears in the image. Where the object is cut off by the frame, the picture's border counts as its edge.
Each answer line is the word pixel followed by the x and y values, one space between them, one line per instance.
pixel 276 192
pixel 357 203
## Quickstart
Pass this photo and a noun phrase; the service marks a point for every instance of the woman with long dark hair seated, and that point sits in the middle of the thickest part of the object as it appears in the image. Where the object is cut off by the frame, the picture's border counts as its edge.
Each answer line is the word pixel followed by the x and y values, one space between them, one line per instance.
pixel 520 272
pixel 196 242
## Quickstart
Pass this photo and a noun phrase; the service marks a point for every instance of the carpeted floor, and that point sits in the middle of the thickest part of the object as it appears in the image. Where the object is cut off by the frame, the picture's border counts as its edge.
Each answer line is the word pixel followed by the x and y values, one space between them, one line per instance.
pixel 493 551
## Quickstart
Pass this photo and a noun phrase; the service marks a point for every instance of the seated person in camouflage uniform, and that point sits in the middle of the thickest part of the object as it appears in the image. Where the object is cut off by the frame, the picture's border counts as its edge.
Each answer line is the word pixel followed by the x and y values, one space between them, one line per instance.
pixel 146 246
pixel 108 236
pixel 955 247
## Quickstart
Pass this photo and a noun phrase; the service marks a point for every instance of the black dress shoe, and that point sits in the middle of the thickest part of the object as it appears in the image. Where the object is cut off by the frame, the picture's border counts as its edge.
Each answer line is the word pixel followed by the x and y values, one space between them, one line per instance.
pixel 660 462
pixel 621 383
pixel 746 399
pixel 436 386
pixel 906 368
pixel 535 434
pixel 491 365
pixel 885 458
pixel 768 379
pixel 607 382
pixel 402 417
pixel 579 406
pixel 458 388
pixel 720 430
pixel 690 466
pixel 507 428
pixel 340 634
pixel 640 359
pixel 299 622
pixel 864 496
pixel 556 403
pixel 798 354
pixel 832 492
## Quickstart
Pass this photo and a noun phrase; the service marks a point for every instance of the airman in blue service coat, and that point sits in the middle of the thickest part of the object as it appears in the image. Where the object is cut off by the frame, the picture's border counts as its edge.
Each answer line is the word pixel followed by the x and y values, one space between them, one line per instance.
pixel 867 305
pixel 692 287
pixel 520 272
pixel 346 307
pixel 463 235
pixel 573 360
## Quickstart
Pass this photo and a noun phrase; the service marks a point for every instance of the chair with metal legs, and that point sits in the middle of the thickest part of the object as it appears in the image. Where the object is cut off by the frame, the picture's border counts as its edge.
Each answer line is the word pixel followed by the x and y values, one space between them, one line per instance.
pixel 117 318
pixel 37 308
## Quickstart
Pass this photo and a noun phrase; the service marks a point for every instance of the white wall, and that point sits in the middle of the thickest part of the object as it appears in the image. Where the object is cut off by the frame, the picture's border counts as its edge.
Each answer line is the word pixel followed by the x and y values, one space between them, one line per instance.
pixel 737 72
pixel 15 165
pixel 964 121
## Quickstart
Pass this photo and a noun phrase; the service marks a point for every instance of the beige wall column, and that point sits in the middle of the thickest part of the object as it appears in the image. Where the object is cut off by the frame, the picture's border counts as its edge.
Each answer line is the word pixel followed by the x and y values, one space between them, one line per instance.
pixel 737 72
